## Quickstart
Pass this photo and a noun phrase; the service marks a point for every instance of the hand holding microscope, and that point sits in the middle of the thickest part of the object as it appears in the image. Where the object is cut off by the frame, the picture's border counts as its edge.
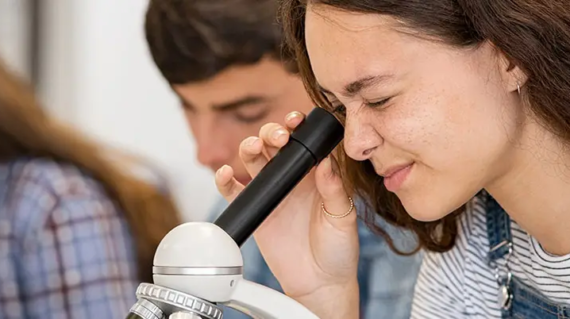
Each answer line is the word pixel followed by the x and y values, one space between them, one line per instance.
pixel 198 266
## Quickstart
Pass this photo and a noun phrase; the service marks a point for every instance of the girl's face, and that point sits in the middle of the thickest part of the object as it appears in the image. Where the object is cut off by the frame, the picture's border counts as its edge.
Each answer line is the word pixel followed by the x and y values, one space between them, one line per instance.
pixel 438 122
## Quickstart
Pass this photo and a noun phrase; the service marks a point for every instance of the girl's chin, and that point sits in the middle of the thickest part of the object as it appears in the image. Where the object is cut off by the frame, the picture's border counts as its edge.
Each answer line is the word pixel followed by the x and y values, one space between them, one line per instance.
pixel 429 204
pixel 424 213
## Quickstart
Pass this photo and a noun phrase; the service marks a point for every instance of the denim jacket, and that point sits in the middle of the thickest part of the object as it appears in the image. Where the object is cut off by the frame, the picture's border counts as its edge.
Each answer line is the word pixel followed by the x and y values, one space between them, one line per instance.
pixel 386 279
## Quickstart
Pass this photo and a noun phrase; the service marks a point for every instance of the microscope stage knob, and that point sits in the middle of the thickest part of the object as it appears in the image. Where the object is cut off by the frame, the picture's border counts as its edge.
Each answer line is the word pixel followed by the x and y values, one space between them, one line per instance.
pixel 174 300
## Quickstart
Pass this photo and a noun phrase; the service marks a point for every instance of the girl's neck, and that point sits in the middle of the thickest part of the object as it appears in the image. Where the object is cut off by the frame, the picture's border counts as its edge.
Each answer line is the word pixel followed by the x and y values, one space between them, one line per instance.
pixel 535 190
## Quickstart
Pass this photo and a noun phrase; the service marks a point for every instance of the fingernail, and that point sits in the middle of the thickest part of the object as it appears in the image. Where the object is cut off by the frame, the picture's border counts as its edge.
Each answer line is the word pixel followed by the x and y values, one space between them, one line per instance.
pixel 335 168
pixel 219 172
pixel 250 141
pixel 327 162
pixel 292 115
pixel 329 167
pixel 277 134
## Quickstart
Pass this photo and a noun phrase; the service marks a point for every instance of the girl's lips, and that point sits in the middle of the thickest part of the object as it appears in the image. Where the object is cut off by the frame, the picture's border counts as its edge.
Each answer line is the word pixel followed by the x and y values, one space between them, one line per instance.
pixel 395 177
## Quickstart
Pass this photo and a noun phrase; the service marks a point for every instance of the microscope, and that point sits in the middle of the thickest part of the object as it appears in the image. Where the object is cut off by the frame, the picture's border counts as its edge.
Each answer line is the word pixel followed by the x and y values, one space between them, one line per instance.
pixel 198 266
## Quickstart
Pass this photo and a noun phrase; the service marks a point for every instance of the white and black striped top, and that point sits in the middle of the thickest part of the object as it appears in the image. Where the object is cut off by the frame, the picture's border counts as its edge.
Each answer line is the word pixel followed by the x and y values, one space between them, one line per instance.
pixel 460 284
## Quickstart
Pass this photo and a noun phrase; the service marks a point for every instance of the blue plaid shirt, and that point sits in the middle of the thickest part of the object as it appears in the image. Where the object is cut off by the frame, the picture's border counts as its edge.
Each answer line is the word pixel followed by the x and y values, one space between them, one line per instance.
pixel 65 248
pixel 386 280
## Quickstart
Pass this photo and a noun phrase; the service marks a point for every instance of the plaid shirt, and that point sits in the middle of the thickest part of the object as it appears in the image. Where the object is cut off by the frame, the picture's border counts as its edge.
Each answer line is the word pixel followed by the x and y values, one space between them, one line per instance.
pixel 65 249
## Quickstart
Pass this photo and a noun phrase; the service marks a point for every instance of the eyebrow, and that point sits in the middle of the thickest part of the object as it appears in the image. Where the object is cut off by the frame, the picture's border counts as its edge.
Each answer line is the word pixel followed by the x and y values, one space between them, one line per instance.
pixel 232 105
pixel 353 88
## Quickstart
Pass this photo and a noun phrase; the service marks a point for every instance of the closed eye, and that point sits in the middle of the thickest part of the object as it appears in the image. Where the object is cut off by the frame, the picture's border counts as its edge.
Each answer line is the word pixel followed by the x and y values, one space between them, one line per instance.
pixel 251 118
pixel 377 103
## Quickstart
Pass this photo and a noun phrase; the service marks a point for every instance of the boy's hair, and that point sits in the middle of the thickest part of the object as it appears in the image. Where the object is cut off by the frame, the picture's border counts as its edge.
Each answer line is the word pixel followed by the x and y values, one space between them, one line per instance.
pixel 195 40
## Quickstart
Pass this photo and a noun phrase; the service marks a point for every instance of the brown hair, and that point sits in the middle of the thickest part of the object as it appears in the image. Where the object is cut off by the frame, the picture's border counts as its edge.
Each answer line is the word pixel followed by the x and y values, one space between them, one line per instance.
pixel 533 34
pixel 191 41
pixel 26 130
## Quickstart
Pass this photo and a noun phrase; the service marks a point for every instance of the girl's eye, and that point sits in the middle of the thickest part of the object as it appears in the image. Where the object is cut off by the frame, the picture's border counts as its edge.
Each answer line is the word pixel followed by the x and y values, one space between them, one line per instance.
pixel 340 109
pixel 377 104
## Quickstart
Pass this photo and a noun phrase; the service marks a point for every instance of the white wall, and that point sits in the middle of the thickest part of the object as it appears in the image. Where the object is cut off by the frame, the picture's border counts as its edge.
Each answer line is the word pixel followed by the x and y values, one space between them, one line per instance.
pixel 14 35
pixel 99 76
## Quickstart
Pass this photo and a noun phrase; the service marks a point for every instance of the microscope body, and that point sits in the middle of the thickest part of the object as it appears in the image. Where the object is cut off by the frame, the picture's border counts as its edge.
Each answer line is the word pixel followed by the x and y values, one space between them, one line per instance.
pixel 198 267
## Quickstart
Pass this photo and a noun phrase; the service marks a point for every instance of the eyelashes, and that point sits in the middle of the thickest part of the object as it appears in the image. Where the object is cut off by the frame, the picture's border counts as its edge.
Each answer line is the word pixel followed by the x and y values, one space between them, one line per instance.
pixel 340 109
pixel 377 104
pixel 251 118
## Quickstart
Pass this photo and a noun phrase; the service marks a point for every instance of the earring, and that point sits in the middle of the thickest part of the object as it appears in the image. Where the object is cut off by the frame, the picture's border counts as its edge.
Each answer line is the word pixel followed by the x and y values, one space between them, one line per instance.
pixel 519 88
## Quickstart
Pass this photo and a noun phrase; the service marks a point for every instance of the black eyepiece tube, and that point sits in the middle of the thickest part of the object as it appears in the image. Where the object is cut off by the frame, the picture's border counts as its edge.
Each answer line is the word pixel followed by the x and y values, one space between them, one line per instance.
pixel 313 140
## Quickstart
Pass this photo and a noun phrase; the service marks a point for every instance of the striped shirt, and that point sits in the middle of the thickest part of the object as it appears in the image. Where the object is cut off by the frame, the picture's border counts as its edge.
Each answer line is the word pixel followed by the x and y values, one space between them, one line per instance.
pixel 460 283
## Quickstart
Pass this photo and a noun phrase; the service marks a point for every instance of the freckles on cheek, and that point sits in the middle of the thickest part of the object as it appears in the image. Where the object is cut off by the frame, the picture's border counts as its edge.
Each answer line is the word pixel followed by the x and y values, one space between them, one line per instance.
pixel 442 111
pixel 408 131
pixel 418 124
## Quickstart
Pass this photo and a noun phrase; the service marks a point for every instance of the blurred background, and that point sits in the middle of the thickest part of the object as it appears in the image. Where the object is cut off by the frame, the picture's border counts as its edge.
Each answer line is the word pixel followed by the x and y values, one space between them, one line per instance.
pixel 88 62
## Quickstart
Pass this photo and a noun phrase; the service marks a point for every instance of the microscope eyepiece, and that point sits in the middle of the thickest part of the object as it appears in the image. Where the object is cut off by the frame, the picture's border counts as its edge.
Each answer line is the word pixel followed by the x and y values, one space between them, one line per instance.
pixel 310 143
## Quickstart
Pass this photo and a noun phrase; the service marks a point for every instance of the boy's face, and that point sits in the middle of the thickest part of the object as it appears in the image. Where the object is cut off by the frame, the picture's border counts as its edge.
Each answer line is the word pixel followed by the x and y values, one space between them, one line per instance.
pixel 226 109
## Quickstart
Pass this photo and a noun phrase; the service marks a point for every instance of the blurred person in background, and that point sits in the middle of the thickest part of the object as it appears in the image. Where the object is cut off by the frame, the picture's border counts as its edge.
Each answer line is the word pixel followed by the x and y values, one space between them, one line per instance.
pixel 77 233
pixel 223 60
